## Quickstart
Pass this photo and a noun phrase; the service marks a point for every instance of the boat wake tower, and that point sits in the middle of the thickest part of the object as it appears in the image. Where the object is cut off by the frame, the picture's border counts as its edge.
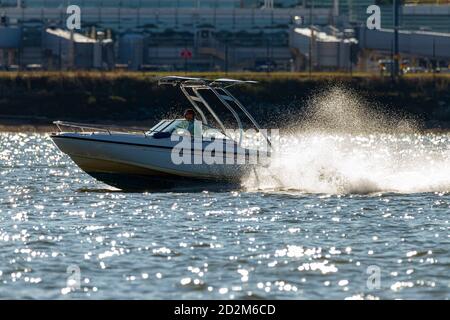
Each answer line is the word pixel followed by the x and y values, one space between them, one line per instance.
pixel 192 88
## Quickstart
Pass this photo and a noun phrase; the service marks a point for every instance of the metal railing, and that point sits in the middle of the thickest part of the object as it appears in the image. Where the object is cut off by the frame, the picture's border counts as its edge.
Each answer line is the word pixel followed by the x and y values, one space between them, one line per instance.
pixel 100 128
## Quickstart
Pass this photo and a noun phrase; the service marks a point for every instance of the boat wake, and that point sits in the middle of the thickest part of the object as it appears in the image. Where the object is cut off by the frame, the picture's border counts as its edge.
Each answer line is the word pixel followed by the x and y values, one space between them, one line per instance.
pixel 344 147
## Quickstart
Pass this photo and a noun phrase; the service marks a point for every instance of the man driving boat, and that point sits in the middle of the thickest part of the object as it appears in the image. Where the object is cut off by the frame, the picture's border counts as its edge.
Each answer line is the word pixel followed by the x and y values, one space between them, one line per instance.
pixel 189 116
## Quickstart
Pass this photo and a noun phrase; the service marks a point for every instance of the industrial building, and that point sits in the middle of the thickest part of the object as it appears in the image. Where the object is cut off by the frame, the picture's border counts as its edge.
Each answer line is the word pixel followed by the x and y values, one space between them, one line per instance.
pixel 10 43
pixel 412 43
pixel 323 50
pixel 218 34
pixel 69 50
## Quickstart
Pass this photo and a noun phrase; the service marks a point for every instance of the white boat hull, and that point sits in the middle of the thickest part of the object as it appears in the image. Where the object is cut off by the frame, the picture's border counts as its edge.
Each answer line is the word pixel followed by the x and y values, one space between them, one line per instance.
pixel 131 161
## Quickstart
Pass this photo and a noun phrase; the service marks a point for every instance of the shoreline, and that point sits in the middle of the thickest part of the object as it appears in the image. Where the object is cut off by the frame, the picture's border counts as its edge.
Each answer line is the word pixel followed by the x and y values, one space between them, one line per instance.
pixel 30 102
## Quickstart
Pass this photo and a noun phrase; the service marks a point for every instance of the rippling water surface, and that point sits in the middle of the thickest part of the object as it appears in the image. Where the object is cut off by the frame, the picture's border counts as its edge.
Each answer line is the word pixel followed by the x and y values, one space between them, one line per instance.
pixel 320 232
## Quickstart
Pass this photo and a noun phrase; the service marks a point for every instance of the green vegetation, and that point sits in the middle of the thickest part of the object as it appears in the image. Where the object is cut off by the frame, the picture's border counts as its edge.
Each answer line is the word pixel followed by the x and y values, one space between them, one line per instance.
pixel 279 98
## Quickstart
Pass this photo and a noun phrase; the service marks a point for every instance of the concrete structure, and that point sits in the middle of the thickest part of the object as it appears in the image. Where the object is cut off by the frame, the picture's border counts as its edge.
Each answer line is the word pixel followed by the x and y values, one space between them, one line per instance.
pixel 221 34
pixel 423 44
pixel 329 51
pixel 131 50
pixel 69 50
pixel 10 42
pixel 238 32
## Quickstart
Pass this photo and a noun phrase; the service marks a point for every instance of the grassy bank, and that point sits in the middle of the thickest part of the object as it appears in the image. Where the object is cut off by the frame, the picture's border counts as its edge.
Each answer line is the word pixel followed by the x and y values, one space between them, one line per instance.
pixel 38 98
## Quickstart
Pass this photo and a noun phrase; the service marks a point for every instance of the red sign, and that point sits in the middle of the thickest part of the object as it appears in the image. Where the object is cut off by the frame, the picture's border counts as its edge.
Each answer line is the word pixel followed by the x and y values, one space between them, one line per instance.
pixel 186 54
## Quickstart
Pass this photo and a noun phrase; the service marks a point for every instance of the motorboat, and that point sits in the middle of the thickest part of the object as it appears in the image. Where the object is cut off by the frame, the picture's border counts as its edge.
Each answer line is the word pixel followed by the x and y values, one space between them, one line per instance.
pixel 167 155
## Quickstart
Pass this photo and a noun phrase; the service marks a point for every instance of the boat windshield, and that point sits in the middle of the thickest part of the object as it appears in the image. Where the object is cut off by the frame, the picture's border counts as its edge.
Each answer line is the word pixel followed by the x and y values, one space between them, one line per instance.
pixel 210 132
pixel 182 127
pixel 178 126
pixel 160 125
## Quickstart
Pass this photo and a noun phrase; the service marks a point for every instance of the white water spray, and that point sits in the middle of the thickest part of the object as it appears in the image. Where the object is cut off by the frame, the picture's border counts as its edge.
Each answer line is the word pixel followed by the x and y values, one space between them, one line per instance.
pixel 344 147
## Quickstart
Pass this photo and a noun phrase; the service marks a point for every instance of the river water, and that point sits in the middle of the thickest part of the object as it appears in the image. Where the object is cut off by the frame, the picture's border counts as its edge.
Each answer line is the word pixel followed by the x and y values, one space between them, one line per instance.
pixel 343 217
